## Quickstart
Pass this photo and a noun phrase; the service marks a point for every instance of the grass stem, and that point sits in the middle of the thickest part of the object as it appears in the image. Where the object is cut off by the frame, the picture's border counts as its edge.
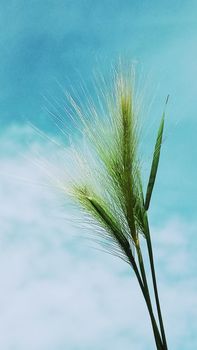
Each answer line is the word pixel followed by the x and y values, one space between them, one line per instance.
pixel 146 295
pixel 151 259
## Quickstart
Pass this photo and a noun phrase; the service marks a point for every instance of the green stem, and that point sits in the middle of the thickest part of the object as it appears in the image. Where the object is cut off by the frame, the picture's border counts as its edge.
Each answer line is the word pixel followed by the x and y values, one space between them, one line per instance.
pixel 151 259
pixel 149 306
pixel 143 273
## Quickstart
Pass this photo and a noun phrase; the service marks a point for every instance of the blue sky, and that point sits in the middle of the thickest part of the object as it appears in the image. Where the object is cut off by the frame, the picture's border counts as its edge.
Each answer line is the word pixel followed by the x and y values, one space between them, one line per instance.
pixel 46 271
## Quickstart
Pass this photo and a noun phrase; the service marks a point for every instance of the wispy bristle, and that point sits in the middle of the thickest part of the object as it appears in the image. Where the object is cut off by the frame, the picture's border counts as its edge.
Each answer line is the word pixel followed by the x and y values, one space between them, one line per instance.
pixel 100 211
pixel 116 179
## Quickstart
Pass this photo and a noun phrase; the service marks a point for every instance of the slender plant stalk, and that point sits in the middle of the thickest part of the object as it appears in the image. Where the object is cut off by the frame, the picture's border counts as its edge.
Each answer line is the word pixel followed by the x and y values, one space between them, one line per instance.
pixel 148 299
pixel 151 259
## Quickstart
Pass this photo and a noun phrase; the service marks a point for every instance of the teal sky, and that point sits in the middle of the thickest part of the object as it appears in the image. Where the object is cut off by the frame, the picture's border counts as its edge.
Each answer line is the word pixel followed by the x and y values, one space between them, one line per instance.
pixel 44 44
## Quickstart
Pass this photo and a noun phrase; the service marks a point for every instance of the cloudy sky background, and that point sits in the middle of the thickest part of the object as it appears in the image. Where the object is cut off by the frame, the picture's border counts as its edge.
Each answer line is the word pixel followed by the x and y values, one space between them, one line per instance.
pixel 56 293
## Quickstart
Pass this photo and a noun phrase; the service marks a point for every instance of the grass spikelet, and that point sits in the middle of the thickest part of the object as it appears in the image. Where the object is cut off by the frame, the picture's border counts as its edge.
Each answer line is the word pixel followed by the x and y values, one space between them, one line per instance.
pixel 115 142
pixel 100 211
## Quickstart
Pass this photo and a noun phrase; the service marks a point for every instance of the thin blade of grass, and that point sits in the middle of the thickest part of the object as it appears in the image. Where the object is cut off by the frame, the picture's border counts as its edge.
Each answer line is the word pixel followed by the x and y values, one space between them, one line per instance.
pixel 155 163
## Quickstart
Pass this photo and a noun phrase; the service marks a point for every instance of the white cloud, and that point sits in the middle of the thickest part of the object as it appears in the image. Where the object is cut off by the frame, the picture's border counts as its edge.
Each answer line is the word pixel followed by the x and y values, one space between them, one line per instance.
pixel 57 294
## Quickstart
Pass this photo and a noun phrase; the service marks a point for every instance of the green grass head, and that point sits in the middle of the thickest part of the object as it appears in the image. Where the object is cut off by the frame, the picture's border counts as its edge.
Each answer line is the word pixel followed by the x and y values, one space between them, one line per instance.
pixel 111 191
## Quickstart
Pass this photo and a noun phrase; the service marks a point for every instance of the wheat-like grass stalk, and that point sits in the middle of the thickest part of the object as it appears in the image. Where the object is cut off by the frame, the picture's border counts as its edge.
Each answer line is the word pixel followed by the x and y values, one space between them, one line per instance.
pixel 111 193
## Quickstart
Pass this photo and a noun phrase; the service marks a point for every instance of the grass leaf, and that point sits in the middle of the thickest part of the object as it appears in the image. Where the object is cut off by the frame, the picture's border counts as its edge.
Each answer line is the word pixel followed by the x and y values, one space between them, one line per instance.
pixel 155 163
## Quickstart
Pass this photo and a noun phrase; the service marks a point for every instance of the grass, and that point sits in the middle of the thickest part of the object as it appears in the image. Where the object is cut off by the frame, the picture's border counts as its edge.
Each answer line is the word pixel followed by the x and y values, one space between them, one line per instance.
pixel 111 193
